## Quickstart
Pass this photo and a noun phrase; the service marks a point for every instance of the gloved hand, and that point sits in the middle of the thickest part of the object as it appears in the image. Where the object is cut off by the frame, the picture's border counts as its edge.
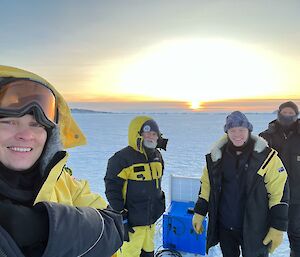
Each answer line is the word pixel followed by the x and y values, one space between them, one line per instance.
pixel 127 229
pixel 109 213
pixel 197 223
pixel 274 238
pixel 26 225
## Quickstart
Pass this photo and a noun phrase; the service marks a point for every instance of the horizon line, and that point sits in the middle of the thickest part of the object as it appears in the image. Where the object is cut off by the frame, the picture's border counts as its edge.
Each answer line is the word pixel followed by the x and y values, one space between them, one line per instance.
pixel 244 105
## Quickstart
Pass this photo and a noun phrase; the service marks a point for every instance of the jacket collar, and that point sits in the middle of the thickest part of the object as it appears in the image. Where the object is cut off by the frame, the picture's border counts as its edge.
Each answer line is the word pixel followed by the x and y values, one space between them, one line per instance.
pixel 55 172
pixel 272 127
pixel 260 144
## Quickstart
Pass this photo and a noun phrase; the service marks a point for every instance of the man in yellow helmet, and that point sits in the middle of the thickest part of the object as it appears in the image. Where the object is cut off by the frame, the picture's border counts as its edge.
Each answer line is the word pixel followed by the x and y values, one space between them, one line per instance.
pixel 44 211
pixel 133 186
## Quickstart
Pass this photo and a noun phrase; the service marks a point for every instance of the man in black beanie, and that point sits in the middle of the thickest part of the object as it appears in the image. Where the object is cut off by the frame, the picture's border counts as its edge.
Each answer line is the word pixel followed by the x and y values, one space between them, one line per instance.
pixel 283 134
pixel 133 186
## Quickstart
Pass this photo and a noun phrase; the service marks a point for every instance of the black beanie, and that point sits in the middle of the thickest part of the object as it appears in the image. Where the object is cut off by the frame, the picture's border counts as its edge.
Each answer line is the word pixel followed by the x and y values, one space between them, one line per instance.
pixel 289 104
pixel 150 125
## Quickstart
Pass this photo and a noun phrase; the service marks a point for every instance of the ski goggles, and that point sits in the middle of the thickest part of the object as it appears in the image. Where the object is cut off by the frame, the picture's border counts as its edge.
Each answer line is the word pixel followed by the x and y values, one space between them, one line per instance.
pixel 22 96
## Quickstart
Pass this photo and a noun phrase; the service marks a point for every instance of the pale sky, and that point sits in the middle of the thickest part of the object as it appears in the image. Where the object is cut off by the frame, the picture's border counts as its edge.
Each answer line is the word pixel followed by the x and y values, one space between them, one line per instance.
pixel 187 50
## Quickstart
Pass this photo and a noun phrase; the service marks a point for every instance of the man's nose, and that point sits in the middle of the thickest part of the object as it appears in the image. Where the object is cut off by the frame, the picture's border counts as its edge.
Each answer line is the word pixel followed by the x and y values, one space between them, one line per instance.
pixel 24 133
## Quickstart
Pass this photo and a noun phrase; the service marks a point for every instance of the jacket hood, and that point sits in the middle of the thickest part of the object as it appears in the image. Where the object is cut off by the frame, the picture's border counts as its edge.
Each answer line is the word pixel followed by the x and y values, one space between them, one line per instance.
pixel 260 144
pixel 70 133
pixel 135 140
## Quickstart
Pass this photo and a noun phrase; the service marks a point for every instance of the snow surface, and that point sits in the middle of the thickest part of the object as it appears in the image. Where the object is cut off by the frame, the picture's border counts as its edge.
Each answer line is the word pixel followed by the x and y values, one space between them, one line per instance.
pixel 190 135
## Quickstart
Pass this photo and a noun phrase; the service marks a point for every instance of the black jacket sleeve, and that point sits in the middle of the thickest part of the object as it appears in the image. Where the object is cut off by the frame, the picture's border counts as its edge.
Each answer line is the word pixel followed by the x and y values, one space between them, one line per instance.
pixel 8 246
pixel 82 231
pixel 16 219
pixel 279 212
pixel 114 184
pixel 73 232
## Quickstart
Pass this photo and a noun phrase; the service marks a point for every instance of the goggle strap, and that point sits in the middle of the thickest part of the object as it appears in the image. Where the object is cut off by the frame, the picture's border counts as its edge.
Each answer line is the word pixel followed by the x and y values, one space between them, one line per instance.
pixel 35 108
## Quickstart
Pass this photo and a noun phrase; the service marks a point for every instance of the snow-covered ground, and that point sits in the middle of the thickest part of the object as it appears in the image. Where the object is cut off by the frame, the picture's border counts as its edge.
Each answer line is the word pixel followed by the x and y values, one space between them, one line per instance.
pixel 190 138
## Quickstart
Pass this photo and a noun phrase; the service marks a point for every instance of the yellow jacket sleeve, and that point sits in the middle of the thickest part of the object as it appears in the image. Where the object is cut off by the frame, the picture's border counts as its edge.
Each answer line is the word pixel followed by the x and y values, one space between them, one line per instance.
pixel 275 179
pixel 82 195
pixel 201 206
pixel 205 185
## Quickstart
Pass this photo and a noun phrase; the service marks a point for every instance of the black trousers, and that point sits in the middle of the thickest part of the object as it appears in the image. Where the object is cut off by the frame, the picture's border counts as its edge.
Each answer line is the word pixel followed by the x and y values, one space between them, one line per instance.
pixel 231 243
pixel 294 229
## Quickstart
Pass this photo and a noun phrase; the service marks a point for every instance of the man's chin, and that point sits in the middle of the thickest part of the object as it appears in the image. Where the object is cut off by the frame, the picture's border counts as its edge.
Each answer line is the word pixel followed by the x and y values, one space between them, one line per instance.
pixel 150 144
pixel 238 144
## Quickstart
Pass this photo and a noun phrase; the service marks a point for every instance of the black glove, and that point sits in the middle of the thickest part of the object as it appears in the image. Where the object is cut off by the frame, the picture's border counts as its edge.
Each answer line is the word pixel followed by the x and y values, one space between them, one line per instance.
pixel 127 227
pixel 26 225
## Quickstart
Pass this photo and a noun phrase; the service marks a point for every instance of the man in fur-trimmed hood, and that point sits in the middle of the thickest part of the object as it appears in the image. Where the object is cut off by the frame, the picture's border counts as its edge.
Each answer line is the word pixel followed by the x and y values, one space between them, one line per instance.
pixel 243 190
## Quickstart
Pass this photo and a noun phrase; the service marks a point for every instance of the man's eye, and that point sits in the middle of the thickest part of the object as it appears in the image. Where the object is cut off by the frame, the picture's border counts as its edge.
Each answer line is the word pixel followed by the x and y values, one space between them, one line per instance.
pixel 7 122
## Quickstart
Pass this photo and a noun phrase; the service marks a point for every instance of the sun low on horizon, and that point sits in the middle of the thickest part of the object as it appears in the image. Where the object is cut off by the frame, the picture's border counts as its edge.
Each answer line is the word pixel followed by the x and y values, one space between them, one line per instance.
pixel 197 71
pixel 195 105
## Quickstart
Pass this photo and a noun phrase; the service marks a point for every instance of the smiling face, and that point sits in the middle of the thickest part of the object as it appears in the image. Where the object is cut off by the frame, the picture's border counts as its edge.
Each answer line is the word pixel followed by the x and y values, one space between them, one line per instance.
pixel 22 141
pixel 238 135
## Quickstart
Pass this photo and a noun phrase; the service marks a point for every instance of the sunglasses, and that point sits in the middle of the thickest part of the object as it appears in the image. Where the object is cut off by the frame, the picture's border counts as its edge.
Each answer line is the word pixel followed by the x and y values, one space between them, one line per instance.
pixel 22 96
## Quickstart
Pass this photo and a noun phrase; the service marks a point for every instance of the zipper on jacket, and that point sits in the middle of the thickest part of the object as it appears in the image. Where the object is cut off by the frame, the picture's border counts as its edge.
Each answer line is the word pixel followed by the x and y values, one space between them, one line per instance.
pixel 150 200
pixel 151 170
pixel 156 180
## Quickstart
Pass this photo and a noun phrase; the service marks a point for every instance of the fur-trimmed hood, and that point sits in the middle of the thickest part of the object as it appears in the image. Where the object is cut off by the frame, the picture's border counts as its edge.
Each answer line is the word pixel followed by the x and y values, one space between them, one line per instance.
pixel 260 144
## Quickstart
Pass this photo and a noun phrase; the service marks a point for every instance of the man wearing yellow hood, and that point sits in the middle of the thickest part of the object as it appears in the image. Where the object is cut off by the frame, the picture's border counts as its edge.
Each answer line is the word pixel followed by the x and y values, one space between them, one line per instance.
pixel 133 186
pixel 44 211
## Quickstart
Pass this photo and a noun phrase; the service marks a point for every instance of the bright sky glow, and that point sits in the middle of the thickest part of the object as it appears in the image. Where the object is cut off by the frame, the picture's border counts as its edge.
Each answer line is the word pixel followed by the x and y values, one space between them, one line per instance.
pixel 195 105
pixel 153 51
pixel 200 70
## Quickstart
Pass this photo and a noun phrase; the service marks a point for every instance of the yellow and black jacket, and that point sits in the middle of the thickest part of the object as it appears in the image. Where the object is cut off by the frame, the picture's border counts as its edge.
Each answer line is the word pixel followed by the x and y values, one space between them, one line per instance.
pixel 78 223
pixel 76 218
pixel 265 201
pixel 133 179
